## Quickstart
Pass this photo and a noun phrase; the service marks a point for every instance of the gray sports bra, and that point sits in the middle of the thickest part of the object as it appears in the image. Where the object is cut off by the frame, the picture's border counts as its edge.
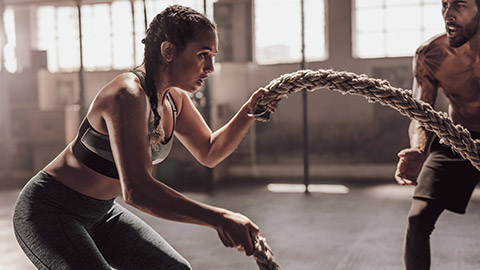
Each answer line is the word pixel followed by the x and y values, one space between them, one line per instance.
pixel 93 148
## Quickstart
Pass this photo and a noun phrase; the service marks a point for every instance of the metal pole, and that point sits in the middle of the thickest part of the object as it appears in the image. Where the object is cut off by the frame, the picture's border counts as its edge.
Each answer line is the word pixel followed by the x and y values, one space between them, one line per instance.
pixel 81 71
pixel 205 7
pixel 145 14
pixel 134 32
pixel 306 172
pixel 206 92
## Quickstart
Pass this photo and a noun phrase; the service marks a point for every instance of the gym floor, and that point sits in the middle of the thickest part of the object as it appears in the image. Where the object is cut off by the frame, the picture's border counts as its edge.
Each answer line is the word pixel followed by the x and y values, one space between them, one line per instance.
pixel 358 226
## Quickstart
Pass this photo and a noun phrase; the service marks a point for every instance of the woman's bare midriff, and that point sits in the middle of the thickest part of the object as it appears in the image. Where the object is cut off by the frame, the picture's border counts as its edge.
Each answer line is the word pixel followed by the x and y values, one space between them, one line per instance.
pixel 66 169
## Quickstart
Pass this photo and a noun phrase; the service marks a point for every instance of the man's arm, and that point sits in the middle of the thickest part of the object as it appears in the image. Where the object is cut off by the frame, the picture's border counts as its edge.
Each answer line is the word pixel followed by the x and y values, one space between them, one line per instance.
pixel 425 88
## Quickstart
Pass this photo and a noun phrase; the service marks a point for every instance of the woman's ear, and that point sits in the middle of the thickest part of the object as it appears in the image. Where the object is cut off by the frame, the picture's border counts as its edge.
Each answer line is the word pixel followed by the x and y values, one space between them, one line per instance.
pixel 168 51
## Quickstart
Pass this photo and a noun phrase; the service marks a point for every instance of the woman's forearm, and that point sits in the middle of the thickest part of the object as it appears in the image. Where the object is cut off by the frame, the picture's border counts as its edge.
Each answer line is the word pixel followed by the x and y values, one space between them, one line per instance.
pixel 226 139
pixel 157 199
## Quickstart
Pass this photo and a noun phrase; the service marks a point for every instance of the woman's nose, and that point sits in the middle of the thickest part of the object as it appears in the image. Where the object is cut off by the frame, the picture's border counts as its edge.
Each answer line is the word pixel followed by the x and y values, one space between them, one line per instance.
pixel 210 67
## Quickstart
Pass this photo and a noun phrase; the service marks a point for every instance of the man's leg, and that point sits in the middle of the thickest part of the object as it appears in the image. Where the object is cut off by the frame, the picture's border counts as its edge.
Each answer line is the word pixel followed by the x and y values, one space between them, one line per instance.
pixel 421 221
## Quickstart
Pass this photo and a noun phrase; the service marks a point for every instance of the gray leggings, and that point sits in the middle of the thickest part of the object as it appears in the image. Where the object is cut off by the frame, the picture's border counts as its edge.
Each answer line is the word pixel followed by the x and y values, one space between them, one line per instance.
pixel 59 228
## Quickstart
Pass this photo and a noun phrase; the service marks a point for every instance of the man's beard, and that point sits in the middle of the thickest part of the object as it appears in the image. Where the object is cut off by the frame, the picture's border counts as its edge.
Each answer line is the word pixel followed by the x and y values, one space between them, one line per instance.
pixel 464 34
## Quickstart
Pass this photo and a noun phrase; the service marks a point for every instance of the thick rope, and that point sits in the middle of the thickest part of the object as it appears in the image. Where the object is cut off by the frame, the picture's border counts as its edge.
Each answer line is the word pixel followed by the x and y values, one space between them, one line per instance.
pixel 263 255
pixel 375 90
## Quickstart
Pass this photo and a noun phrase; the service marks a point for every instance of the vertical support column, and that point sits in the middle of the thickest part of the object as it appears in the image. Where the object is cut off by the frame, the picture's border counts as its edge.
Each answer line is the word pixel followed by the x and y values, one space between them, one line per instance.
pixel 339 42
pixel 134 32
pixel 207 114
pixel 306 172
pixel 145 14
pixel 81 81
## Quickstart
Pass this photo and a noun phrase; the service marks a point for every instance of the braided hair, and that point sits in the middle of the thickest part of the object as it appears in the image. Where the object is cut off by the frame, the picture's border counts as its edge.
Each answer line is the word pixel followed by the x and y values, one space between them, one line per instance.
pixel 179 25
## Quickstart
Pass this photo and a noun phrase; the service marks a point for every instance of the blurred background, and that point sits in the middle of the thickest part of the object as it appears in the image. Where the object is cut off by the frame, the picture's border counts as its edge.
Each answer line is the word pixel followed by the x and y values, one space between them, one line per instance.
pixel 56 55
pixel 50 75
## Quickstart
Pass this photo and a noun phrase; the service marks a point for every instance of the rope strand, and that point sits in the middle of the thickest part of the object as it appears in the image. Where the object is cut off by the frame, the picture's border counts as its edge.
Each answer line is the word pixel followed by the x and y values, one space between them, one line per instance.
pixel 375 90
pixel 263 255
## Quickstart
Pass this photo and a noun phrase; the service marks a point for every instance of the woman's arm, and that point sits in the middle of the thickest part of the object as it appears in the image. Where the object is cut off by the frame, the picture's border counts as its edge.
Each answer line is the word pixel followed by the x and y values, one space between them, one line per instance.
pixel 208 147
pixel 126 119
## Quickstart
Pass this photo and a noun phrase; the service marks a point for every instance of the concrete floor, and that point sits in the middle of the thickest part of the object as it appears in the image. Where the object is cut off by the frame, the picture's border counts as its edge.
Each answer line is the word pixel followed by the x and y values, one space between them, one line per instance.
pixel 362 229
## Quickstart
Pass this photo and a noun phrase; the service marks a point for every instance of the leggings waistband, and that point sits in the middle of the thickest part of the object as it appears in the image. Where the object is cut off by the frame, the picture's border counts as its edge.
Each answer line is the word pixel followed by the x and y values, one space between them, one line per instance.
pixel 44 191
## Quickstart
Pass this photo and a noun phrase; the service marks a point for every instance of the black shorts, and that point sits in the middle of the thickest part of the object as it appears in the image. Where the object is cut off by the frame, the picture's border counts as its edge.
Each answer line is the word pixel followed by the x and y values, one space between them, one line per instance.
pixel 447 178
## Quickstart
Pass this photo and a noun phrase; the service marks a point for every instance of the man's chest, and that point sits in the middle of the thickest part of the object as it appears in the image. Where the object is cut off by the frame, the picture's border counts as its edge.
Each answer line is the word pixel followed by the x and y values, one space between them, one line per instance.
pixel 460 77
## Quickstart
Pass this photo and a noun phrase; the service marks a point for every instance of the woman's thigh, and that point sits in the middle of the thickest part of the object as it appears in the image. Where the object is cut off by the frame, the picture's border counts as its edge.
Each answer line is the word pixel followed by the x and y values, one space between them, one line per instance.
pixel 127 242
pixel 58 242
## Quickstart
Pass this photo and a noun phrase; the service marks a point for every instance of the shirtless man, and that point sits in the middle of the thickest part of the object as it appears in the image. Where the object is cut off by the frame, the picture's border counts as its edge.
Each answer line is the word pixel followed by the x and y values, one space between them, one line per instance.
pixel 444 181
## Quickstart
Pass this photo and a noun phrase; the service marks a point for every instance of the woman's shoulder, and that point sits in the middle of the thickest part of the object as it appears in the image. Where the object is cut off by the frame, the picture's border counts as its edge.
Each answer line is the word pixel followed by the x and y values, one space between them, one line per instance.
pixel 124 84
pixel 122 93
pixel 123 88
pixel 179 96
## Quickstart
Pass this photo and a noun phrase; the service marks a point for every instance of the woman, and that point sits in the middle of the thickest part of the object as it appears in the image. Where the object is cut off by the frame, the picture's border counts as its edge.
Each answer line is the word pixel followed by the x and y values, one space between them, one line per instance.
pixel 66 217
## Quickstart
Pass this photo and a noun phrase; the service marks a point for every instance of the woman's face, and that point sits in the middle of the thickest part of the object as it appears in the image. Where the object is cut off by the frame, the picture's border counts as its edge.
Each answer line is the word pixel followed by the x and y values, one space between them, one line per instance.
pixel 190 68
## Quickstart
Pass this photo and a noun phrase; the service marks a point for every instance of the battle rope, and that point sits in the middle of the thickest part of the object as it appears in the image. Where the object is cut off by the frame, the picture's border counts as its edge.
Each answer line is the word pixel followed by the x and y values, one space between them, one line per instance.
pixel 263 255
pixel 375 90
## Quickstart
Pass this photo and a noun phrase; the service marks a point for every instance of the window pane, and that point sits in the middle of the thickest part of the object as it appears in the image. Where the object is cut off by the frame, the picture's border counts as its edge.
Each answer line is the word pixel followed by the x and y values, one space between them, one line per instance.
pixel 67 38
pixel 272 46
pixel 432 21
pixel 122 38
pixel 314 30
pixel 139 32
pixel 368 3
pixel 278 34
pixel 46 38
pixel 402 43
pixel 370 44
pixel 402 2
pixel 154 7
pixel 403 18
pixel 408 23
pixel 96 37
pixel 10 60
pixel 370 19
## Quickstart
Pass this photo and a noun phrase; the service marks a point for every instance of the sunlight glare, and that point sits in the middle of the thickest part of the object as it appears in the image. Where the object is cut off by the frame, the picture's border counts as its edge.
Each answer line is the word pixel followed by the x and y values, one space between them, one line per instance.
pixel 300 188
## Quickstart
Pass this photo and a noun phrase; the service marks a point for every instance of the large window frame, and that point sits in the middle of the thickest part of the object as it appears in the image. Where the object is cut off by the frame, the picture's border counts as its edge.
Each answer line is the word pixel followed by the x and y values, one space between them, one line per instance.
pixel 393 28
pixel 110 41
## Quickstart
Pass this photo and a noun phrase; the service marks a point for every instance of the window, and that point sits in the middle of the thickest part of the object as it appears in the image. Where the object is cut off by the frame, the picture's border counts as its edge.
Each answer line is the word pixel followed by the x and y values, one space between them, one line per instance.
pixel 10 60
pixel 278 32
pixel 111 36
pixel 392 28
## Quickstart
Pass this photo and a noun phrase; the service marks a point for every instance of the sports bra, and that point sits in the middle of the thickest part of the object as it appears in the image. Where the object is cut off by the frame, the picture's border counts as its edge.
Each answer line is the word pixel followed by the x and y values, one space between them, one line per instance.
pixel 93 149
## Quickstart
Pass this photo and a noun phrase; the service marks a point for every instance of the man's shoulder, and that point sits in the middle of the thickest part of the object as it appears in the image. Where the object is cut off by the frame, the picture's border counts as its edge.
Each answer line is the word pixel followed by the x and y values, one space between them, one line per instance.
pixel 429 57
pixel 433 47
